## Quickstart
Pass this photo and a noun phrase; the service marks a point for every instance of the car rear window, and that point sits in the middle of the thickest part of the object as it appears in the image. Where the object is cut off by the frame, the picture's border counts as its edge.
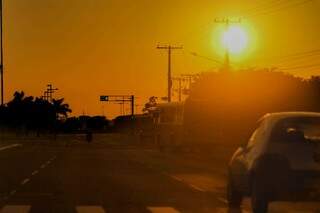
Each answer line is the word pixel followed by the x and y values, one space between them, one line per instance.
pixel 303 129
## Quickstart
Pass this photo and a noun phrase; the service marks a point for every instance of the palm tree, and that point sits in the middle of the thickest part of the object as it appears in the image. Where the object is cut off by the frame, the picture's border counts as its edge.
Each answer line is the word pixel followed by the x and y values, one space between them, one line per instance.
pixel 20 110
pixel 61 109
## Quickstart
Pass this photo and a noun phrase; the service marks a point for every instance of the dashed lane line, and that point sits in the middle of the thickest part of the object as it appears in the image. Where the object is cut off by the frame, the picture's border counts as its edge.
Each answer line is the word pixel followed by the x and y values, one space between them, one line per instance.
pixel 34 172
pixel 25 181
pixel 10 146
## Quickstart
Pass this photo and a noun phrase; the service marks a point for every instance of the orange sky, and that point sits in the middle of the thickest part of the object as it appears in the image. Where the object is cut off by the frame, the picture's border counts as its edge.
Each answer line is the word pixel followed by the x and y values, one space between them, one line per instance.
pixel 92 47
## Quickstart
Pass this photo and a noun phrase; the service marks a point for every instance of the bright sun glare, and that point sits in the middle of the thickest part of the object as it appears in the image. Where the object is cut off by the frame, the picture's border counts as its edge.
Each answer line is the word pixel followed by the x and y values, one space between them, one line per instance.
pixel 235 39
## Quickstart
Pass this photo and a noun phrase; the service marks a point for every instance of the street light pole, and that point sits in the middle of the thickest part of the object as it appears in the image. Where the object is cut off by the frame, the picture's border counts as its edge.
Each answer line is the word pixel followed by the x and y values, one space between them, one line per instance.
pixel 1 52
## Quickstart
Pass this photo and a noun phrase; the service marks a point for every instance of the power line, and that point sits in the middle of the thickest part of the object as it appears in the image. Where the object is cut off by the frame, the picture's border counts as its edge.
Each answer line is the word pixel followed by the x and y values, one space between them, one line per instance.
pixel 205 57
pixel 293 56
pixel 274 9
pixel 301 67
pixel 266 5
pixel 300 60
pixel 277 7
pixel 309 52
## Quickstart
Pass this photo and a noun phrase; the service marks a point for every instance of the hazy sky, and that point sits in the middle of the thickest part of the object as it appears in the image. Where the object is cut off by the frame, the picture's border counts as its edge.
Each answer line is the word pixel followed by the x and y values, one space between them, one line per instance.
pixel 92 47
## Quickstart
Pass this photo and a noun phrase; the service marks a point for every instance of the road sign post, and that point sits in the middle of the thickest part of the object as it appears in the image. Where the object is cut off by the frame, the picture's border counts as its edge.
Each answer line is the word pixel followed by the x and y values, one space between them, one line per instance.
pixel 122 99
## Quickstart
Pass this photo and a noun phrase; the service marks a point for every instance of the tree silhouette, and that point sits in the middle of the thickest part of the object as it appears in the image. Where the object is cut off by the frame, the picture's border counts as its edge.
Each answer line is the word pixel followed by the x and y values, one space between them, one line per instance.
pixel 151 103
pixel 60 108
pixel 29 113
pixel 224 107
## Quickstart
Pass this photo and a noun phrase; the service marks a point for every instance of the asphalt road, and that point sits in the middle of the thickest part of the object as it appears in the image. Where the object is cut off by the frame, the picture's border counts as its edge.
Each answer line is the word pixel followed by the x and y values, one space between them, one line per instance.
pixel 72 176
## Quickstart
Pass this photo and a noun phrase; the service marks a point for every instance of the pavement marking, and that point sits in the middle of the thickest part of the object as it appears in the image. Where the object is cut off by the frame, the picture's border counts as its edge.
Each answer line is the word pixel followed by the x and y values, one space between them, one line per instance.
pixel 223 200
pixel 176 178
pixel 15 209
pixel 184 182
pixel 10 146
pixel 195 187
pixel 25 181
pixel 162 210
pixel 35 172
pixel 90 209
pixel 43 166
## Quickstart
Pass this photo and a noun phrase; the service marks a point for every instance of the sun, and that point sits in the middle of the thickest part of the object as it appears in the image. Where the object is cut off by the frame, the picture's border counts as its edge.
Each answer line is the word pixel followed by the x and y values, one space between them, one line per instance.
pixel 235 39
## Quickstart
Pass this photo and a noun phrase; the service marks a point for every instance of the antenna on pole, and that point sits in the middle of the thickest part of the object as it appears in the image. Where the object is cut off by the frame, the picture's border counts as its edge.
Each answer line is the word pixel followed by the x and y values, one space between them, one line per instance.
pixel 227 22
pixel 169 48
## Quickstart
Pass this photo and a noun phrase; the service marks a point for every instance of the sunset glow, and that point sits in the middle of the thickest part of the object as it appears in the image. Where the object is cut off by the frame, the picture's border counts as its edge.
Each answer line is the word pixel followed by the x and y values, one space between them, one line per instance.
pixel 235 39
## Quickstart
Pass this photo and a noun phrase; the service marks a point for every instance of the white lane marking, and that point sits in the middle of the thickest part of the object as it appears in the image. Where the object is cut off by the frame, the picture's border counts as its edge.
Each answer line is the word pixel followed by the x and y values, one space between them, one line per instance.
pixel 162 210
pixel 184 182
pixel 35 172
pixel 25 181
pixel 15 209
pixel 176 178
pixel 196 187
pixel 90 209
pixel 43 166
pixel 223 200
pixel 10 146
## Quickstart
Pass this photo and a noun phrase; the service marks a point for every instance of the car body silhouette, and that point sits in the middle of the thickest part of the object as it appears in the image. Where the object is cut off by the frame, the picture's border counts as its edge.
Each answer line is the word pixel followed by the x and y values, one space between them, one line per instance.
pixel 280 162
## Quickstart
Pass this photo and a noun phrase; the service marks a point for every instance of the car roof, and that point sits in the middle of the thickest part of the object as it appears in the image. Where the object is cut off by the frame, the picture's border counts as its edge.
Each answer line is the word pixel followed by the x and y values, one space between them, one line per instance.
pixel 281 115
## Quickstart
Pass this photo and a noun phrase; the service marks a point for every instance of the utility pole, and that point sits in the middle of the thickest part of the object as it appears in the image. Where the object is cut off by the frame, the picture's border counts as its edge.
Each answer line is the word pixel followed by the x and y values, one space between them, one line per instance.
pixel 50 90
pixel 169 48
pixel 132 105
pixel 1 52
pixel 48 93
pixel 179 79
pixel 227 22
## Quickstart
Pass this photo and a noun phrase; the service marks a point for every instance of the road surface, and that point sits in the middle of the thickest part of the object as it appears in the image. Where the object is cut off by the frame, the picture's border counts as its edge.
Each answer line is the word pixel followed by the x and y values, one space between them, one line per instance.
pixel 71 176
